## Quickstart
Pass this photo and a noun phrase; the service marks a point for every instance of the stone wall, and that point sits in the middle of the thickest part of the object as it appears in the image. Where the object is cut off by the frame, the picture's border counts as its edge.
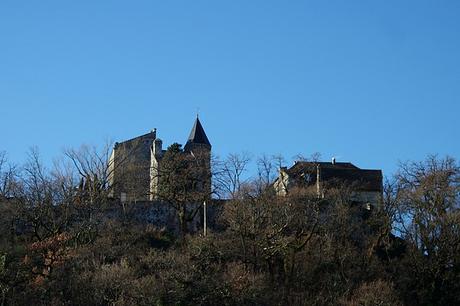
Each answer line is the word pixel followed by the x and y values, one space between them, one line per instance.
pixel 163 215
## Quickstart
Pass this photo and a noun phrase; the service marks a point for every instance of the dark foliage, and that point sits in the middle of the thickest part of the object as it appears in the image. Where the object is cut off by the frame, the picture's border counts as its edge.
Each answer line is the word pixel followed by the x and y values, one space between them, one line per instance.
pixel 57 248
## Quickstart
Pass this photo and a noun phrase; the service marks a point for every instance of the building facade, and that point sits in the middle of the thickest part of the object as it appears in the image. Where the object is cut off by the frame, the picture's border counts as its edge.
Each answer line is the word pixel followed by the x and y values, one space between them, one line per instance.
pixel 365 184
pixel 135 164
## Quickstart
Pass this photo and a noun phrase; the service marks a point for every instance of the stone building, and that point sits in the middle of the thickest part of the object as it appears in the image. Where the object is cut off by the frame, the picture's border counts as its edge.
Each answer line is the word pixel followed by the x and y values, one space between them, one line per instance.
pixel 134 164
pixel 365 184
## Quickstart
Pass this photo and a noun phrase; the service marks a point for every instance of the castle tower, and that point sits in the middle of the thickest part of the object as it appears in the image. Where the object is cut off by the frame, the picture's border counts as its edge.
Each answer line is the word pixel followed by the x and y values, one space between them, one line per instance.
pixel 197 138
pixel 129 167
pixel 199 147
pixel 135 164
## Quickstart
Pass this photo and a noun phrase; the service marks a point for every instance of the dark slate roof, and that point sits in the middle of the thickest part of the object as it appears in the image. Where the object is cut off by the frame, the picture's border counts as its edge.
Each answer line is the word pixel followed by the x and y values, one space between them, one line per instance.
pixel 149 136
pixel 197 135
pixel 137 145
pixel 301 167
pixel 362 179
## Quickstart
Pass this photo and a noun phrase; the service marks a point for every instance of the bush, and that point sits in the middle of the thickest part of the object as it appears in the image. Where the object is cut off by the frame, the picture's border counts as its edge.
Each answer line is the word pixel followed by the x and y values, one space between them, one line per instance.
pixel 377 292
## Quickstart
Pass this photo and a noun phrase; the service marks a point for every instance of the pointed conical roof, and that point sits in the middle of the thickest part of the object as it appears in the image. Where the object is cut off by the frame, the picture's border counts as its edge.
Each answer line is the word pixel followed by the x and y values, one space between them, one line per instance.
pixel 197 135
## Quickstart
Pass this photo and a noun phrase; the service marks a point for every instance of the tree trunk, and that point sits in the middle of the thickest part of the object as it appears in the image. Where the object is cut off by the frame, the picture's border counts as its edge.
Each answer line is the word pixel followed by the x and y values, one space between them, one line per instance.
pixel 182 221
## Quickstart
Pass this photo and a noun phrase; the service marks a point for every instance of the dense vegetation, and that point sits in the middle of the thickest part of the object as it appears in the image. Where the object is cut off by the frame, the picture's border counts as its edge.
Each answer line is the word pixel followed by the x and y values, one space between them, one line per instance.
pixel 57 246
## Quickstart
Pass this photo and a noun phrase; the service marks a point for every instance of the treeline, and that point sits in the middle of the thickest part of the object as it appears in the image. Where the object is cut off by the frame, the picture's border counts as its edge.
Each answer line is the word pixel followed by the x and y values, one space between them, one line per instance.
pixel 57 246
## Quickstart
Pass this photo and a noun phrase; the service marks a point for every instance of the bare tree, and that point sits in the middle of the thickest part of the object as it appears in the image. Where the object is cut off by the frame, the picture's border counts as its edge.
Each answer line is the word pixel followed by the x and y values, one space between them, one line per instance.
pixel 229 174
pixel 272 230
pixel 42 197
pixel 314 157
pixel 93 168
pixel 427 195
pixel 8 176
pixel 266 171
pixel 92 164
pixel 8 185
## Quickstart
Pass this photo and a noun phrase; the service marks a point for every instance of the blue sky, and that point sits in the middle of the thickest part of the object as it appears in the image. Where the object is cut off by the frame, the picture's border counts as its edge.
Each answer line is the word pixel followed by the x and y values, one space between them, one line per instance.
pixel 371 82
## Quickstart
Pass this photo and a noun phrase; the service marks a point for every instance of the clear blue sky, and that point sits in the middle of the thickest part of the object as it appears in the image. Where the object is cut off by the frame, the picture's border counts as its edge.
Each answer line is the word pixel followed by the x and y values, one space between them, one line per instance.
pixel 371 82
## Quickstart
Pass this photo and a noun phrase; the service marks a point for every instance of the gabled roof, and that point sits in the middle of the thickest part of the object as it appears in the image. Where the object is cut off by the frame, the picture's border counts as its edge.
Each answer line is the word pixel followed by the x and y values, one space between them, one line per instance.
pixel 364 179
pixel 197 135
pixel 145 139
pixel 299 167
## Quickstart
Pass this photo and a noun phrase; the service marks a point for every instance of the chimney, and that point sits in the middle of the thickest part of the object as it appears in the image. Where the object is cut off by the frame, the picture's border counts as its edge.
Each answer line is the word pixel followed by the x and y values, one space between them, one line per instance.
pixel 333 160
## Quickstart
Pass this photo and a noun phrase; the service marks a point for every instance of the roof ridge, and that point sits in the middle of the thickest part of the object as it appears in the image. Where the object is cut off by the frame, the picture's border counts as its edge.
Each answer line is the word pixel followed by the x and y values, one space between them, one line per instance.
pixel 137 137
